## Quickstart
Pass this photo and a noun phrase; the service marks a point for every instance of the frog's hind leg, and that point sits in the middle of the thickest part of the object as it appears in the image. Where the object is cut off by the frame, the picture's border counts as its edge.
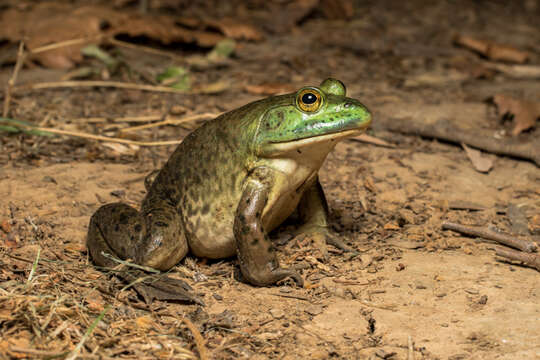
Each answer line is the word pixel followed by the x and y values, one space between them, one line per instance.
pixel 313 210
pixel 154 240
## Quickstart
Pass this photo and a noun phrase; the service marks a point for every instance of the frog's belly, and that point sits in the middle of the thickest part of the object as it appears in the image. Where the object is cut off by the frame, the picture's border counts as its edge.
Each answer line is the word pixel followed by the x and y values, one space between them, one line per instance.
pixel 211 236
pixel 280 209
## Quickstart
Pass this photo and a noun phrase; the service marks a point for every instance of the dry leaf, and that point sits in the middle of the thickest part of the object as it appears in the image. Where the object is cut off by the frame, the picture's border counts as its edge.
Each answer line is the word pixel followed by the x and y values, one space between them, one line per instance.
pixel 337 9
pixel 285 18
pixel 491 50
pixel 481 163
pixel 49 22
pixel 236 30
pixel 95 302
pixel 270 88
pixel 391 226
pixel 525 112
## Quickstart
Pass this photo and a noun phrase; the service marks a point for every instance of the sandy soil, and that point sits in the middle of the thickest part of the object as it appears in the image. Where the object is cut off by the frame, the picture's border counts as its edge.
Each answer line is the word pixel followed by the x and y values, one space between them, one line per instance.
pixel 413 283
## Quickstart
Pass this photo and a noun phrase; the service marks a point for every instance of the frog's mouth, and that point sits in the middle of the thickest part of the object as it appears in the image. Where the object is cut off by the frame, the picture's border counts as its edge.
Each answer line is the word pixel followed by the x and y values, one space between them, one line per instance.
pixel 323 140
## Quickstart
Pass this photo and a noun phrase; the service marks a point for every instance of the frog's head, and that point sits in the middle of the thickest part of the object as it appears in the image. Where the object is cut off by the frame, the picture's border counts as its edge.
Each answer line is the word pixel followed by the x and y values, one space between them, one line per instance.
pixel 313 117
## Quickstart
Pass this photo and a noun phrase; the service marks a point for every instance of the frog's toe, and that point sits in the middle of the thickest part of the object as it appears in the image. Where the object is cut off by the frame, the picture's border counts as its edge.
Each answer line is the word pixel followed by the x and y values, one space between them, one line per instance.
pixel 167 289
pixel 337 242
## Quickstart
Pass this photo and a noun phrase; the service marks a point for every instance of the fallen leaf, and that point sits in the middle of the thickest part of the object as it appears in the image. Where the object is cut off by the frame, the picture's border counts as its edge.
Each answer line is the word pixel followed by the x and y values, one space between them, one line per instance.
pixel 337 9
pixel 391 226
pixel 525 112
pixel 5 226
pixel 285 18
pixel 481 163
pixel 95 302
pixel 270 88
pixel 237 30
pixel 46 23
pixel 492 50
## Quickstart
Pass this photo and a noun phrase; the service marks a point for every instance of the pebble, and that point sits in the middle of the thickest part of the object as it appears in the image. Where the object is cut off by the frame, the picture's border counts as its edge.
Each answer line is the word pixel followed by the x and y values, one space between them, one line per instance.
pixel 277 313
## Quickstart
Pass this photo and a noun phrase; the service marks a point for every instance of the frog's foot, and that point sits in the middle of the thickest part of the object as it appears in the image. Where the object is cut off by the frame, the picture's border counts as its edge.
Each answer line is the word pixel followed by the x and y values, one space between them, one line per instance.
pixel 321 237
pixel 162 287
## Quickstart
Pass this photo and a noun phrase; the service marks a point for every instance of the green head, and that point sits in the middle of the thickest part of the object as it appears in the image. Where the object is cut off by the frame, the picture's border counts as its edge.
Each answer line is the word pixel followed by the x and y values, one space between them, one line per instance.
pixel 311 116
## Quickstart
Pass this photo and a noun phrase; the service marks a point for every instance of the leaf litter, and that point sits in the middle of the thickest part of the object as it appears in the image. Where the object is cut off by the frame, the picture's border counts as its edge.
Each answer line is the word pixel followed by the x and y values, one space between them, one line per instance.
pixel 50 22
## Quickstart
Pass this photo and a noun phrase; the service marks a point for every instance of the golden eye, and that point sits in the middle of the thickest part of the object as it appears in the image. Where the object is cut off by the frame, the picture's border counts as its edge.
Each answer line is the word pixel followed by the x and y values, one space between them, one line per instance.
pixel 309 100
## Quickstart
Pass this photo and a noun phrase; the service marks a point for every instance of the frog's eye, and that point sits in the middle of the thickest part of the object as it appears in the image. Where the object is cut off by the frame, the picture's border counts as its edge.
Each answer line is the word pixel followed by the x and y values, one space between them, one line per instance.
pixel 309 100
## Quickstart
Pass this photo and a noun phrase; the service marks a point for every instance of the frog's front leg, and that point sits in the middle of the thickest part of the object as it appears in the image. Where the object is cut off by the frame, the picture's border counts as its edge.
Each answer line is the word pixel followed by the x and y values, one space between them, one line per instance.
pixel 313 210
pixel 256 255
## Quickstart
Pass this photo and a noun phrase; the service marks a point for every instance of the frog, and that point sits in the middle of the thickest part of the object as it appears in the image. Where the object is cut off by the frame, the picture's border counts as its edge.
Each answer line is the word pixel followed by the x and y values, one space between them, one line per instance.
pixel 227 185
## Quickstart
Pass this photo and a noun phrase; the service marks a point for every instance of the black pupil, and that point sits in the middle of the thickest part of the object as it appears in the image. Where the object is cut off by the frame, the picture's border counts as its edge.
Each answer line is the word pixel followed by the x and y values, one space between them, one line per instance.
pixel 309 98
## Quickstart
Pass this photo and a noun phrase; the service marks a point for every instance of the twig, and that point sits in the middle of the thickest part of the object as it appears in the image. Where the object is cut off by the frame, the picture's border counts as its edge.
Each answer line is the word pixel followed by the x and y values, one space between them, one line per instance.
pixel 147 49
pixel 65 43
pixel 292 296
pixel 107 138
pixel 130 264
pixel 479 138
pixel 199 340
pixel 87 334
pixel 97 83
pixel 41 353
pixel 515 71
pixel 410 348
pixel 487 233
pixel 350 282
pixel 171 121
pixel 531 260
pixel 11 82
pixel 372 140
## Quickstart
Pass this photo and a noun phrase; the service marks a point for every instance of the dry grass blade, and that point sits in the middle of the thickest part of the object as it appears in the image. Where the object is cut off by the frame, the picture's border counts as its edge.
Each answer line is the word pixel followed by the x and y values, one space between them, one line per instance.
pixel 107 138
pixel 66 43
pixel 199 340
pixel 171 121
pixel 11 82
pixel 96 83
pixel 372 140
pixel 130 264
pixel 86 335
pixel 147 49
pixel 34 267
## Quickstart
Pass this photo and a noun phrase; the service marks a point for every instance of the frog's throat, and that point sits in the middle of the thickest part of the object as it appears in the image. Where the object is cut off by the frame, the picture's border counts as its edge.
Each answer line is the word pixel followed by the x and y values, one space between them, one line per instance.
pixel 280 148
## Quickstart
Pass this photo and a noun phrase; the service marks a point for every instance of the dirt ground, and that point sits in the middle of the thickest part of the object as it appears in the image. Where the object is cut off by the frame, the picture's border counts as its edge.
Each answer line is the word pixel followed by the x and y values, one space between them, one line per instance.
pixel 442 293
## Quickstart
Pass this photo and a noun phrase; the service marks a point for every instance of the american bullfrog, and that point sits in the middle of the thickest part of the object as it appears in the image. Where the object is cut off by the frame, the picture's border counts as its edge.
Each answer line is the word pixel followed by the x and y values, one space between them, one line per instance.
pixel 228 184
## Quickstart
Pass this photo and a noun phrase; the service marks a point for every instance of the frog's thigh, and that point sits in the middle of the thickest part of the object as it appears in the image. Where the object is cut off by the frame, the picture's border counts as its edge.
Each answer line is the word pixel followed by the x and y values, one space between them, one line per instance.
pixel 156 239
pixel 113 230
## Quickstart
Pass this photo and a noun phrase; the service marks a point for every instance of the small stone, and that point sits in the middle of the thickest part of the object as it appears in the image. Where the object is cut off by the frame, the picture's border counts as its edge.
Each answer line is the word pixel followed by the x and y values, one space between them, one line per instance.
pixel 483 300
pixel 366 259
pixel 277 313
pixel 314 310
pixel 118 193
